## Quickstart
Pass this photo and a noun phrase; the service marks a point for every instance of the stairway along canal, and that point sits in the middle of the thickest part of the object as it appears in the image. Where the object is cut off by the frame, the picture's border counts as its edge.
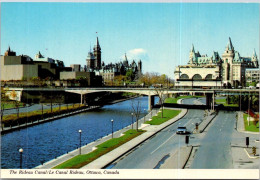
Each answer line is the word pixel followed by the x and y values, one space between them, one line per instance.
pixel 49 140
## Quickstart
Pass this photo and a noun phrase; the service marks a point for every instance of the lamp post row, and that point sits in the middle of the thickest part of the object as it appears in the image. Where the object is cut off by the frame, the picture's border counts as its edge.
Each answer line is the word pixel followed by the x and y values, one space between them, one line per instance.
pixel 21 157
pixel 112 121
pixel 80 131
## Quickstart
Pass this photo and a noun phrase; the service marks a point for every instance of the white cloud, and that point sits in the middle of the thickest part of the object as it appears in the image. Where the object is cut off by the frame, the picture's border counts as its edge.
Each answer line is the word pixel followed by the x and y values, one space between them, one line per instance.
pixel 136 54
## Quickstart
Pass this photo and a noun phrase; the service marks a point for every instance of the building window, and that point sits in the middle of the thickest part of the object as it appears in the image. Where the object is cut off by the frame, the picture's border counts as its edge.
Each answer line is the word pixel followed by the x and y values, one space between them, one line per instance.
pixel 209 76
pixel 197 76
pixel 184 76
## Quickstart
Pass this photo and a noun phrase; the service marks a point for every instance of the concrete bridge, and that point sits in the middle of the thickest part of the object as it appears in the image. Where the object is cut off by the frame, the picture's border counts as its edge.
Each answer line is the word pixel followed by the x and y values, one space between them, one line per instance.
pixel 150 92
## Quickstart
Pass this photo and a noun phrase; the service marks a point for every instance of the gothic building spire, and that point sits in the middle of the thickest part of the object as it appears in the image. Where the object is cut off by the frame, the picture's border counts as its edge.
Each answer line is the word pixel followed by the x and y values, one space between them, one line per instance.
pixel 97 54
pixel 230 46
pixel 254 54
pixel 98 43
pixel 192 48
pixel 125 57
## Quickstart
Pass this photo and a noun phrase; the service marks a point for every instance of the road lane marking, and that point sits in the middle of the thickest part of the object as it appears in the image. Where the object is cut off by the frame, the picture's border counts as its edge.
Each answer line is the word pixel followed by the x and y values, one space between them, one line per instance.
pixel 168 139
pixel 163 143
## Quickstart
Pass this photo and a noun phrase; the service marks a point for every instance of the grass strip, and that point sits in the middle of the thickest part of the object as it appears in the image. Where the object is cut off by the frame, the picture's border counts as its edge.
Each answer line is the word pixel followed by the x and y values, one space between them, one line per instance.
pixel 10 104
pixel 82 160
pixel 223 101
pixel 175 100
pixel 167 115
pixel 37 114
pixel 253 126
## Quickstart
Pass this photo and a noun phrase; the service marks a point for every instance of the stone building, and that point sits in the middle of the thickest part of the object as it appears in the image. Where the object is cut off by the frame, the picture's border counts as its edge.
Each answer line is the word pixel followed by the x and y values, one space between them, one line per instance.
pixel 214 71
pixel 17 67
pixel 110 71
pixel 94 58
pixel 23 67
pixel 252 75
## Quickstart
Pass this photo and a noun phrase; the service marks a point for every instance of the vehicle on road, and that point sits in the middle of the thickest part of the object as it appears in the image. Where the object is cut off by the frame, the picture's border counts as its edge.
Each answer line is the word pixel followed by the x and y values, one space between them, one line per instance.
pixel 182 130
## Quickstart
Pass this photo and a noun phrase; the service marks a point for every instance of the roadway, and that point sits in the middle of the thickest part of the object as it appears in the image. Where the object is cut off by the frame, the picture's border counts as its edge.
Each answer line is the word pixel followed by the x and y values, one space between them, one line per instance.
pixel 215 149
pixel 161 145
pixel 213 146
pixel 33 107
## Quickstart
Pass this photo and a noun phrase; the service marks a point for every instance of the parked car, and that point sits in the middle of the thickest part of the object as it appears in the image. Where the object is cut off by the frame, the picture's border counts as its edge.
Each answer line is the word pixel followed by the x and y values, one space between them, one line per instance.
pixel 182 130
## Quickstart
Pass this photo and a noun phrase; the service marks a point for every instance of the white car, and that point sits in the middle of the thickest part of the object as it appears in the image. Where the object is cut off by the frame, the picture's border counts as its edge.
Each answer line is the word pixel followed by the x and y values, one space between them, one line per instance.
pixel 181 130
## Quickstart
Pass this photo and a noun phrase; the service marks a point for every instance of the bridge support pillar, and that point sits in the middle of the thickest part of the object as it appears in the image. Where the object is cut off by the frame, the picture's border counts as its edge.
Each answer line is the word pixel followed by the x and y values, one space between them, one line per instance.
pixel 82 98
pixel 150 102
pixel 228 99
pixel 209 99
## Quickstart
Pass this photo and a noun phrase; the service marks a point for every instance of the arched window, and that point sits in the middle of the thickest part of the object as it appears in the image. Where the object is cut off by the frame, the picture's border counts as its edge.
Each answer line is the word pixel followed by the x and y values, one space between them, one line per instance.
pixel 197 76
pixel 209 76
pixel 184 76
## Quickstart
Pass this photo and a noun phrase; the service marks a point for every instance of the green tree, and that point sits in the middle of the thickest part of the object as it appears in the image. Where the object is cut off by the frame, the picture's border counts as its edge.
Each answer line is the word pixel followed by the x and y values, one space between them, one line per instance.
pixel 16 103
pixel 4 99
pixel 130 75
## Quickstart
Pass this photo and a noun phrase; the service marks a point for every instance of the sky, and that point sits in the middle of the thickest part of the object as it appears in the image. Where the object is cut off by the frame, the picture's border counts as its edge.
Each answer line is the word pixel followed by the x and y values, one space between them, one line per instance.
pixel 160 34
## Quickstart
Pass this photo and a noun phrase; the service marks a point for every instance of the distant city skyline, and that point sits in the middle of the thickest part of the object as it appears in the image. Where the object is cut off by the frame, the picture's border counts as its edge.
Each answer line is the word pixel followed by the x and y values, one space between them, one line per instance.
pixel 160 34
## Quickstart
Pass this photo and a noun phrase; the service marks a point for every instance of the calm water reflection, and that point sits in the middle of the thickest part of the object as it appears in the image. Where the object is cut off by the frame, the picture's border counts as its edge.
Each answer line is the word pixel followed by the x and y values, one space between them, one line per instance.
pixel 49 140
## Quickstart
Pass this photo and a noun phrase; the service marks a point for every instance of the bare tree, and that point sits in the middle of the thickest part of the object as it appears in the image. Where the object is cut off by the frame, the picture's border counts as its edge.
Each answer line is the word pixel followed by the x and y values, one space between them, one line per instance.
pixel 16 102
pixel 162 94
pixel 2 114
pixel 136 107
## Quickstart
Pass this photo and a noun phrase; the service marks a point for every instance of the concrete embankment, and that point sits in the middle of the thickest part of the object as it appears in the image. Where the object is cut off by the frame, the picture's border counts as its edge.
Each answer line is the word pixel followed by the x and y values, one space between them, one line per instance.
pixel 121 100
pixel 33 123
pixel 107 159
pixel 40 121
pixel 112 156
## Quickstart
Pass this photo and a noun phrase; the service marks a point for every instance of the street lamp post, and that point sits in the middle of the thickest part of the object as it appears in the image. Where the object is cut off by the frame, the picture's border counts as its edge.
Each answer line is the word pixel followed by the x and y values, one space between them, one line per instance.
pixel 21 157
pixel 248 117
pixel 240 100
pixel 132 120
pixel 144 115
pixel 80 141
pixel 112 127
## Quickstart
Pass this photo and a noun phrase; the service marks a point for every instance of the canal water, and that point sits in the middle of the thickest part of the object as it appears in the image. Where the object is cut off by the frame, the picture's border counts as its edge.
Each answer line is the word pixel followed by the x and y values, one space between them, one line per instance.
pixel 44 142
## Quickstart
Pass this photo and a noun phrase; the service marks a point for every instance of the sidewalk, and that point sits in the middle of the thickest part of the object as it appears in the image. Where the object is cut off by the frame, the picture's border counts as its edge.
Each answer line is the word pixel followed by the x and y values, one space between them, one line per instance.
pixel 241 125
pixel 118 152
pixel 241 155
pixel 90 147
pixel 32 123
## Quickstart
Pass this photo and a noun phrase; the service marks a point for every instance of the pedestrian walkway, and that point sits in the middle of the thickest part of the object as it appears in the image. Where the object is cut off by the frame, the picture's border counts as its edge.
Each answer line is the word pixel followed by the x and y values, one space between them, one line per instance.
pixel 241 125
pixel 151 130
pixel 242 155
pixel 208 117
pixel 32 123
pixel 116 153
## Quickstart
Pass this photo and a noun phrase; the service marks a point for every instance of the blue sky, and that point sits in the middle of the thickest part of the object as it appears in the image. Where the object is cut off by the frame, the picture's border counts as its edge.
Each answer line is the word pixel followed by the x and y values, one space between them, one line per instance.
pixel 161 34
